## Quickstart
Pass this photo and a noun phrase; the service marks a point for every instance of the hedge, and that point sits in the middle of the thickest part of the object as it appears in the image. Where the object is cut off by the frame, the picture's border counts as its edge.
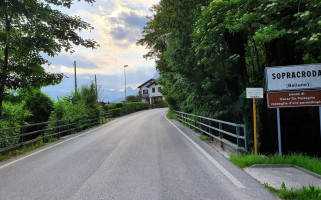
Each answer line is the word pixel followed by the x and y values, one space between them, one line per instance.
pixel 120 109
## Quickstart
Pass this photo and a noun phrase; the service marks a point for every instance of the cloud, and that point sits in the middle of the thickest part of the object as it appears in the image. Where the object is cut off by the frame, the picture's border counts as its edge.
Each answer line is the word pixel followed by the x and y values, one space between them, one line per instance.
pixel 118 25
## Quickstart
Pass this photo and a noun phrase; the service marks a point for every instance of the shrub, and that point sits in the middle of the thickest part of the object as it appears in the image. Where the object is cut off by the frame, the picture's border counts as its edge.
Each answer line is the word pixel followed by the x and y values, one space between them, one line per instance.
pixel 120 109
pixel 40 105
pixel 160 104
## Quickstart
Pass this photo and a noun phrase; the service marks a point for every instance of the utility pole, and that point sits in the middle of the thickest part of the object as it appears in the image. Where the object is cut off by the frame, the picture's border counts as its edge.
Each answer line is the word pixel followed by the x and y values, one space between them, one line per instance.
pixel 96 86
pixel 75 66
pixel 125 81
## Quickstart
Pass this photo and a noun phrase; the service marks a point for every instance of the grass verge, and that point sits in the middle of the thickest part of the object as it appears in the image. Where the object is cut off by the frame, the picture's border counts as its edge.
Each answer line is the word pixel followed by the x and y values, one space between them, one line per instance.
pixel 21 151
pixel 17 152
pixel 170 114
pixel 306 162
pixel 204 137
pixel 305 193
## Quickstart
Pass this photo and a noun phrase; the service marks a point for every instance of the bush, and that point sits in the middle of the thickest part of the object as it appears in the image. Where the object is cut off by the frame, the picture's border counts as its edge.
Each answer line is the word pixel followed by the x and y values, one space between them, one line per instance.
pixel 40 105
pixel 120 109
pixel 77 105
pixel 13 115
pixel 160 104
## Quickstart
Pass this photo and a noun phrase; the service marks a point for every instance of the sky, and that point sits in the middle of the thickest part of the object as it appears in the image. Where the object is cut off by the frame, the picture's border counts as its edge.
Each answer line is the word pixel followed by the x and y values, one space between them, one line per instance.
pixel 117 27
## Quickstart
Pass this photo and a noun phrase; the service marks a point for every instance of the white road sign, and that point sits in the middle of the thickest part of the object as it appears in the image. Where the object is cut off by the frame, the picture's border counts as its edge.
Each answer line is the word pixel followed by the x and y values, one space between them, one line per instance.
pixel 296 77
pixel 254 93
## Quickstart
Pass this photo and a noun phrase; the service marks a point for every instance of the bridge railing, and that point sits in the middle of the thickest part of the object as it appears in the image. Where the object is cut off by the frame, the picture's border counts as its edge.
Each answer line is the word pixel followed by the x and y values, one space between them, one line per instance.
pixel 230 134
pixel 18 137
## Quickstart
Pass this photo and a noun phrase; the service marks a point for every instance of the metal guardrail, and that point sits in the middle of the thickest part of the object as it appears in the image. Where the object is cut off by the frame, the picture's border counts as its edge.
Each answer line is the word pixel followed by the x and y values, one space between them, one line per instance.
pixel 32 133
pixel 231 134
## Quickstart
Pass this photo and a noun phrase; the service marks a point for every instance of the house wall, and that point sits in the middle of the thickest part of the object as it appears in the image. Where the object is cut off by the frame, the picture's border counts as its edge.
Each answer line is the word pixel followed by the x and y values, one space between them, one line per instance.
pixel 150 93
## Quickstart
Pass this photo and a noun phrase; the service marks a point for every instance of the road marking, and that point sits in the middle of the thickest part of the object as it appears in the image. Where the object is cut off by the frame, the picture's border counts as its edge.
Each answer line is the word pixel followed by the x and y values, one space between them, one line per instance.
pixel 27 156
pixel 211 159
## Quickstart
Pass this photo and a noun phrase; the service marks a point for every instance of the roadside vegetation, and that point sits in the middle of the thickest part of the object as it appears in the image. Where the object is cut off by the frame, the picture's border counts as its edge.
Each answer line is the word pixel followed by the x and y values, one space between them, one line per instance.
pixel 204 138
pixel 170 114
pixel 120 109
pixel 17 152
pixel 305 193
pixel 211 51
pixel 312 164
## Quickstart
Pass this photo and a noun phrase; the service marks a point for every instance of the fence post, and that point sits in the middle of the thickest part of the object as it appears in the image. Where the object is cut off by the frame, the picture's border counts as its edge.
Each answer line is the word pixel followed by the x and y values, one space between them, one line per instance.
pixel 21 135
pixel 43 133
pixel 238 136
pixel 58 124
pixel 210 129
pixel 245 137
pixel 221 134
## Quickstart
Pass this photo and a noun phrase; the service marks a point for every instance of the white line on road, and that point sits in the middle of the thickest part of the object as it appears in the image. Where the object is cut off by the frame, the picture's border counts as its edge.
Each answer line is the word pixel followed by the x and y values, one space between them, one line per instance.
pixel 27 156
pixel 211 159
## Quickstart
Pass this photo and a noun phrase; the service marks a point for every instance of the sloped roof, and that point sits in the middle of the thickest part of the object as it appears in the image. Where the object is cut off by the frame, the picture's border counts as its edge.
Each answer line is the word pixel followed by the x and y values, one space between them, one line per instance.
pixel 149 82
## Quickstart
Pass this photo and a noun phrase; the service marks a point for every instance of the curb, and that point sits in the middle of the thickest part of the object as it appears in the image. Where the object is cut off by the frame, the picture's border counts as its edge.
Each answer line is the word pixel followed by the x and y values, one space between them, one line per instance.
pixel 286 165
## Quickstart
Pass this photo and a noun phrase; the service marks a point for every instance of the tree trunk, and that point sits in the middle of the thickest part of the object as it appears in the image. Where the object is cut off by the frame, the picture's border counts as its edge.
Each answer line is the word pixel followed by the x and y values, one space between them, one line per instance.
pixel 4 72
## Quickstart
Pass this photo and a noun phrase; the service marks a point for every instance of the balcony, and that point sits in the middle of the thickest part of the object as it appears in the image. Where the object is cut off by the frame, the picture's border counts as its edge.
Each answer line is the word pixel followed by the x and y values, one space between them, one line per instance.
pixel 144 96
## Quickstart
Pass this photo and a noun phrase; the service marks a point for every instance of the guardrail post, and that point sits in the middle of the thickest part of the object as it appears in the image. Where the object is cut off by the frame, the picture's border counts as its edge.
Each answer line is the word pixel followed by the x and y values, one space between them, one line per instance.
pixel 245 137
pixel 21 135
pixel 221 134
pixel 210 130
pixel 42 132
pixel 238 136
pixel 58 124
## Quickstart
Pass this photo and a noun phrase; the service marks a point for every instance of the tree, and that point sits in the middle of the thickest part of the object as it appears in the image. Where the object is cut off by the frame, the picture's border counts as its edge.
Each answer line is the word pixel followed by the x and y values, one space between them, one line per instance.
pixel 133 98
pixel 40 105
pixel 29 29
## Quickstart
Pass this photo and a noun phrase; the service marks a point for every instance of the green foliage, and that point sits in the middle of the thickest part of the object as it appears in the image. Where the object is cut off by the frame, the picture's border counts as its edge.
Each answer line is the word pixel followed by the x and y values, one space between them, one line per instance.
pixel 304 193
pixel 170 114
pixel 29 29
pixel 14 115
pixel 208 52
pixel 120 109
pixel 204 138
pixel 133 98
pixel 306 162
pixel 77 105
pixel 160 104
pixel 21 151
pixel 40 105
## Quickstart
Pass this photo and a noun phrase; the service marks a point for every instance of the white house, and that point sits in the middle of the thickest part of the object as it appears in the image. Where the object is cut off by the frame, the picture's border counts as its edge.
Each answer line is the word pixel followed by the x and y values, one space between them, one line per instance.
pixel 150 91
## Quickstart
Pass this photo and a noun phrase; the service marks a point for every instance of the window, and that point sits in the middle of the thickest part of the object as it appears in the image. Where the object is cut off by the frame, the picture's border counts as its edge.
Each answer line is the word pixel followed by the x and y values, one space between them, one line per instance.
pixel 145 91
pixel 153 90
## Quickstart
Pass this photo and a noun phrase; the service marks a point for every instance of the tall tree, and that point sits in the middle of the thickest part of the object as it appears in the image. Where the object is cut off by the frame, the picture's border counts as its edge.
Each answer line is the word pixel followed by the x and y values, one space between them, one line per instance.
pixel 29 29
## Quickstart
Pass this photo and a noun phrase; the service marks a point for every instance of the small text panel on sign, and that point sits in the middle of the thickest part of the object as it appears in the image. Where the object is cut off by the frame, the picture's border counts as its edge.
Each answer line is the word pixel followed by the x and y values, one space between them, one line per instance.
pixel 254 93
pixel 294 77
pixel 294 99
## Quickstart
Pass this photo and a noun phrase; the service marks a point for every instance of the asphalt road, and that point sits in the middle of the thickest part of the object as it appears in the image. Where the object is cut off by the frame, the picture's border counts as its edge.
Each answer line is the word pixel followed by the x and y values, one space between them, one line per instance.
pixel 140 156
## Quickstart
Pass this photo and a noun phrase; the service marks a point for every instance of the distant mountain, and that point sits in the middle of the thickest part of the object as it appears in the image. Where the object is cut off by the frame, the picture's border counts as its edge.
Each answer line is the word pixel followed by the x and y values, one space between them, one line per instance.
pixel 118 96
pixel 156 75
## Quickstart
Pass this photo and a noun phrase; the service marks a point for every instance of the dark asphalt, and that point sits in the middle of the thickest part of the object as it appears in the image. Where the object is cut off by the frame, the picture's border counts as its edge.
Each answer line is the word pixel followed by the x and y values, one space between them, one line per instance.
pixel 140 156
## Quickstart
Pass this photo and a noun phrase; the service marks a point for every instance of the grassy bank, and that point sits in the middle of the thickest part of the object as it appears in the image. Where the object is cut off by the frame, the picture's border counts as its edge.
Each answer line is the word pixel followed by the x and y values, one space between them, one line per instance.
pixel 306 162
pixel 305 193
pixel 21 151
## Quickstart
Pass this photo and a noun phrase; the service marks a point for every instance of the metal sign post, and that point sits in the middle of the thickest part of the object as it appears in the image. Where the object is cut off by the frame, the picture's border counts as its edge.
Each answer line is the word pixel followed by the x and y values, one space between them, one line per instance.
pixel 254 93
pixel 279 130
pixel 293 86
pixel 320 119
pixel 255 133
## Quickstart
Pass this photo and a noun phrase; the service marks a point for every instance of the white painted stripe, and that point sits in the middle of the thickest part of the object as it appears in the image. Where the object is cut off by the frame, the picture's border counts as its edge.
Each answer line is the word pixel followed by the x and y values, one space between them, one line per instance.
pixel 32 154
pixel 211 159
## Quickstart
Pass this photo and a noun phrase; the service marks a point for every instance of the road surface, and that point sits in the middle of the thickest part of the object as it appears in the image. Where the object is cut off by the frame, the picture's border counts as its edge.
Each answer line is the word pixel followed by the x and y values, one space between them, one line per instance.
pixel 139 156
